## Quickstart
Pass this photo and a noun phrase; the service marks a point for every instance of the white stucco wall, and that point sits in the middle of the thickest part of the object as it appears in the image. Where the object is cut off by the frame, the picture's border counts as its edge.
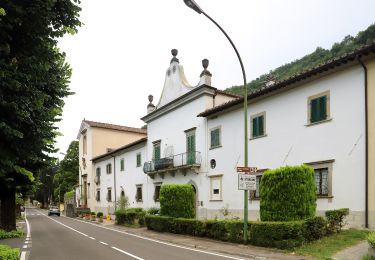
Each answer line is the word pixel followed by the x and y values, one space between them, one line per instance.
pixel 286 119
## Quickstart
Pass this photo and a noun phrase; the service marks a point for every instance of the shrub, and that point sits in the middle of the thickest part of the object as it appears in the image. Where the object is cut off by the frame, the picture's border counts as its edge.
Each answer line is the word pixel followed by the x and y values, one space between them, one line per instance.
pixel 336 218
pixel 130 216
pixel 371 239
pixel 288 194
pixel 123 202
pixel 191 227
pixel 177 200
pixel 99 214
pixel 93 213
pixel 153 211
pixel 7 253
pixel 314 228
pixel 277 234
pixel 69 195
pixel 160 223
pixel 11 234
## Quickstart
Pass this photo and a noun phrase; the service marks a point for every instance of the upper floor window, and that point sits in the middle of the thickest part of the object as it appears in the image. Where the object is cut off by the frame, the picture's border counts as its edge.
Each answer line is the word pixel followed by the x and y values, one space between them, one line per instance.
pixel 139 160
pixel 97 177
pixel 215 137
pixel 258 125
pixel 156 153
pixel 122 164
pixel 108 168
pixel 318 108
pixel 84 144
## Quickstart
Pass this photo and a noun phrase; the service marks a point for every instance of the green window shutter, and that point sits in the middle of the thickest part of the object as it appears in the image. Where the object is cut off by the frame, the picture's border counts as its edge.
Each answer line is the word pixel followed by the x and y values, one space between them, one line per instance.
pixel 314 116
pixel 215 138
pixel 261 125
pixel 255 127
pixel 157 152
pixel 323 108
pixel 122 165
pixel 318 109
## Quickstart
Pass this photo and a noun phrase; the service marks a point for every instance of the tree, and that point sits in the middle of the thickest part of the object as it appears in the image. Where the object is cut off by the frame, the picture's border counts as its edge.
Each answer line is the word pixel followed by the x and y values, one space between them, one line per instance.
pixel 67 174
pixel 34 79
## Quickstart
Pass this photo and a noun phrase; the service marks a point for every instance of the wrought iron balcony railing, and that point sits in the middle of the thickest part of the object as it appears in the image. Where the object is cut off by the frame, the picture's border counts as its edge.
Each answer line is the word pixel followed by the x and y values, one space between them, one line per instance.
pixel 173 162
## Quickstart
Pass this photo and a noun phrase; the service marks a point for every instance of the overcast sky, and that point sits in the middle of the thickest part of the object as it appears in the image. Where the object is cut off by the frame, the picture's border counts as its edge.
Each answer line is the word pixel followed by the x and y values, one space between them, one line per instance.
pixel 122 51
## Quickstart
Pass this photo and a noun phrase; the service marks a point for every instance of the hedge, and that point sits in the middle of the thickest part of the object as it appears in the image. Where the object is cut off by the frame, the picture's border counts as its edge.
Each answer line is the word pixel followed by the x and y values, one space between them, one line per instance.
pixel 11 234
pixel 268 234
pixel 130 216
pixel 177 200
pixel 288 194
pixel 336 218
pixel 8 253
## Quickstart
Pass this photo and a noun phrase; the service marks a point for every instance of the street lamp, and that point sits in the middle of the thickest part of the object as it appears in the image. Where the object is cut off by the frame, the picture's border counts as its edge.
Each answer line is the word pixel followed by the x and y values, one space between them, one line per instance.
pixel 193 5
pixel 49 189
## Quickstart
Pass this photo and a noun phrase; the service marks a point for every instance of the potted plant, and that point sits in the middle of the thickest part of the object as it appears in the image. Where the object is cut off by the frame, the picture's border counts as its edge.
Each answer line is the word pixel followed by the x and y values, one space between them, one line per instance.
pixel 93 216
pixel 371 241
pixel 100 216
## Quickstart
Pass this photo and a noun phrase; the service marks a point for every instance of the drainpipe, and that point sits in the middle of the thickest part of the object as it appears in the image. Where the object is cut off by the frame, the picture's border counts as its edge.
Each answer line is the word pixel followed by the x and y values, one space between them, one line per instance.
pixel 114 179
pixel 366 140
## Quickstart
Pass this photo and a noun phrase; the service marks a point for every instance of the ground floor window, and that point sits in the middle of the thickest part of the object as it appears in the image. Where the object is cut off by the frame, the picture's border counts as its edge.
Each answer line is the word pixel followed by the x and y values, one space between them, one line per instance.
pixel 157 192
pixel 138 194
pixel 323 172
pixel 97 195
pixel 216 187
pixel 109 195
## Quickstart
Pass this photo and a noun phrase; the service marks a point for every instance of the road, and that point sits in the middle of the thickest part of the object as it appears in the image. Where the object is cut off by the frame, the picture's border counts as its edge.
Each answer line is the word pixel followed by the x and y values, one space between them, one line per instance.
pixel 65 238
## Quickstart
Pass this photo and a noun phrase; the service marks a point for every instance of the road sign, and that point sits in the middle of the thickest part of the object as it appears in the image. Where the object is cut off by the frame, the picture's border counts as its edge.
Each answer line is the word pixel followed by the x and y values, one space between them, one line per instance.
pixel 247 169
pixel 247 182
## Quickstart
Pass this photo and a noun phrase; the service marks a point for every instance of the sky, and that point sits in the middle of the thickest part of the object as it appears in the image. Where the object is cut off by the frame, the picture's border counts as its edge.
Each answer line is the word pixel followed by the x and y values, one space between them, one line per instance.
pixel 122 51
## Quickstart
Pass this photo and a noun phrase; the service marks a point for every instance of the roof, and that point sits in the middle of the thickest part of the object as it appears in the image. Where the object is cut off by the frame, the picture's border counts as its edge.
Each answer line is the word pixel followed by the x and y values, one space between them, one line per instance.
pixel 115 127
pixel 329 65
pixel 139 141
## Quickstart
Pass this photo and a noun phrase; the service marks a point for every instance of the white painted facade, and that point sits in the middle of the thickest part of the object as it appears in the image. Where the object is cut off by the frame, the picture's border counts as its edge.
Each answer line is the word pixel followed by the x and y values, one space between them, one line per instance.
pixel 289 140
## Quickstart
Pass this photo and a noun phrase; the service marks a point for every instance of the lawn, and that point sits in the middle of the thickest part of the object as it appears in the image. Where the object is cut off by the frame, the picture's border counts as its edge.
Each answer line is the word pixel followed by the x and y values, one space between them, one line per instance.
pixel 326 247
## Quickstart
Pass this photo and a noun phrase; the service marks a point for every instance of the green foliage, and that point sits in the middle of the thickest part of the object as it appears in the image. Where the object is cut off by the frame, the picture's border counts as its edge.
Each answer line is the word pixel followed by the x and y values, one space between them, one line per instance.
pixel 69 195
pixel 153 211
pixel 160 223
pixel 315 228
pixel 187 226
pixel 11 234
pixel 19 199
pixel 177 200
pixel 131 216
pixel 288 193
pixel 99 214
pixel 123 202
pixel 371 239
pixel 67 174
pixel 336 218
pixel 316 58
pixel 7 253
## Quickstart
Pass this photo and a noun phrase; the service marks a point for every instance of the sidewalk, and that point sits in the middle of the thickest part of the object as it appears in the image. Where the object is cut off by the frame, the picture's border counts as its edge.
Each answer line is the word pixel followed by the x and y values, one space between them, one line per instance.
pixel 16 242
pixel 353 253
pixel 244 251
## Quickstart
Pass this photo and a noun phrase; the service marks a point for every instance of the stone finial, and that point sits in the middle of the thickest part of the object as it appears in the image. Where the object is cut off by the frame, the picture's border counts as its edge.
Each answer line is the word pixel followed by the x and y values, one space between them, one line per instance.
pixel 174 53
pixel 150 106
pixel 205 63
pixel 205 75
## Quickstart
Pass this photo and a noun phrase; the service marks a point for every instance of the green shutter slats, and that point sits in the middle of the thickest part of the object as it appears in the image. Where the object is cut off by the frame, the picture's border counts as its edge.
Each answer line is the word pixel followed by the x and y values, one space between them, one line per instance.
pixel 318 109
pixel 258 126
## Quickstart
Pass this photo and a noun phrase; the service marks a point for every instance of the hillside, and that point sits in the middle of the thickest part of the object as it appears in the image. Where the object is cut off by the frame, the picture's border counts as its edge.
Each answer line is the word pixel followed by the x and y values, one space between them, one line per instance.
pixel 319 56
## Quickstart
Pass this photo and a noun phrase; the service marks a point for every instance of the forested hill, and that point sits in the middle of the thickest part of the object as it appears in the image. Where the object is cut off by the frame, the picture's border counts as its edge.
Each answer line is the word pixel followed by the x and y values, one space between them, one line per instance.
pixel 318 57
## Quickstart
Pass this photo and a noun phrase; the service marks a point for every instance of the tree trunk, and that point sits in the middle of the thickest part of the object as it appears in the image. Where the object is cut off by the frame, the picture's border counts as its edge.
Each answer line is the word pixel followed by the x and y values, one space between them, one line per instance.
pixel 8 209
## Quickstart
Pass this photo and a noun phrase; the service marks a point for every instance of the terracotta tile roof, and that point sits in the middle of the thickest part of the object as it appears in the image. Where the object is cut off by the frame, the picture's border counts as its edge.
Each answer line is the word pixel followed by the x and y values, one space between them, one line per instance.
pixel 142 140
pixel 329 65
pixel 115 127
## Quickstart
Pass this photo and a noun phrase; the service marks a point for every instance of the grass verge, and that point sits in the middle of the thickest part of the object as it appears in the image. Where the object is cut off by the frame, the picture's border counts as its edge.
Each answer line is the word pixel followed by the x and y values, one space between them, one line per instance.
pixel 11 234
pixel 326 247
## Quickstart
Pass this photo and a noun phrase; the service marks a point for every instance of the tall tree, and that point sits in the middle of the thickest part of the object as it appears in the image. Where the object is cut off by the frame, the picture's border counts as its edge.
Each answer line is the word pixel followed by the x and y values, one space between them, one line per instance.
pixel 67 175
pixel 34 79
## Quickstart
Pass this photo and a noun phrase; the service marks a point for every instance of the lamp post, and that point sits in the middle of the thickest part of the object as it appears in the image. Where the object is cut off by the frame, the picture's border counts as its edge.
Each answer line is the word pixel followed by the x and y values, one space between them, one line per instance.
pixel 193 5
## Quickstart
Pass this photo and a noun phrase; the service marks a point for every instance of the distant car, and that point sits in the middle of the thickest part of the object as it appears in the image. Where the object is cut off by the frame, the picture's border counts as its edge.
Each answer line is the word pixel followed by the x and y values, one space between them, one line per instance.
pixel 53 210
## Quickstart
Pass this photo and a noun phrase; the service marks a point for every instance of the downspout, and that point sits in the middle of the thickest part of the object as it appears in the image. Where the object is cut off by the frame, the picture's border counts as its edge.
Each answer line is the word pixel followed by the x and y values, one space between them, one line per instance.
pixel 366 141
pixel 114 179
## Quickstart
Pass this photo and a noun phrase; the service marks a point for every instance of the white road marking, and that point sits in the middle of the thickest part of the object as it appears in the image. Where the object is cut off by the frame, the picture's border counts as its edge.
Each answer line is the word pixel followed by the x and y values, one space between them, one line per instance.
pixel 23 255
pixel 104 243
pixel 92 238
pixel 160 242
pixel 75 230
pixel 25 246
pixel 126 253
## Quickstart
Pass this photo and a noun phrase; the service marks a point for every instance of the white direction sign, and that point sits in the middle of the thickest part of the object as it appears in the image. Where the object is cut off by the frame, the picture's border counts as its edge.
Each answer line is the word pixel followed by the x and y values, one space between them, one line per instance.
pixel 247 182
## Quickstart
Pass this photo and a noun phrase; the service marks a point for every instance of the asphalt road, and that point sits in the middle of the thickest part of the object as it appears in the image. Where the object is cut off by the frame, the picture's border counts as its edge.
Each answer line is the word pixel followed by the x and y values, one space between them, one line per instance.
pixel 65 238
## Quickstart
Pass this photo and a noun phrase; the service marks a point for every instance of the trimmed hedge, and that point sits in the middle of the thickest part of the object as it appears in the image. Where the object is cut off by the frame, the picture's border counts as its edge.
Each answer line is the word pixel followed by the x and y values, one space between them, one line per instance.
pixel 8 253
pixel 177 200
pixel 336 218
pixel 288 194
pixel 268 234
pixel 130 216
pixel 11 234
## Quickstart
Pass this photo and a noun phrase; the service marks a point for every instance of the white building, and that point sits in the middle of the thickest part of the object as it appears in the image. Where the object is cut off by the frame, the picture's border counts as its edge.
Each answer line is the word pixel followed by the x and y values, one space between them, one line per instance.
pixel 324 117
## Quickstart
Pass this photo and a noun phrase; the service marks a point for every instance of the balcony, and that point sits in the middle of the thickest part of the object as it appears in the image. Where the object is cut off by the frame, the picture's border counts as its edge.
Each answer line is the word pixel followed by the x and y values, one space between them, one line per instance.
pixel 172 164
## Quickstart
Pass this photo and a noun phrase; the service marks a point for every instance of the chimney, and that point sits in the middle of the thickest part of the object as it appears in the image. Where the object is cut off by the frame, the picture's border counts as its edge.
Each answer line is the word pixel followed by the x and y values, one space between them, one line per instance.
pixel 150 107
pixel 205 75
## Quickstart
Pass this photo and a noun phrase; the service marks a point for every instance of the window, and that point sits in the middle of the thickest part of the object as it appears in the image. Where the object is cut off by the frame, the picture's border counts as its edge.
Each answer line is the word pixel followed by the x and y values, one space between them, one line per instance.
pixel 157 192
pixel 139 159
pixel 156 154
pixel 258 125
pixel 109 194
pixel 190 146
pixel 84 144
pixel 108 168
pixel 216 188
pixel 318 108
pixel 97 195
pixel 88 190
pixel 138 195
pixel 122 164
pixel 215 138
pixel 97 178
pixel 323 178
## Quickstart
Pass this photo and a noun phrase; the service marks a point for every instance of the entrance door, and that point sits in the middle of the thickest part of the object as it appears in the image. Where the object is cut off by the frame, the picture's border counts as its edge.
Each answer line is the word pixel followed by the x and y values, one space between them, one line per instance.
pixel 190 147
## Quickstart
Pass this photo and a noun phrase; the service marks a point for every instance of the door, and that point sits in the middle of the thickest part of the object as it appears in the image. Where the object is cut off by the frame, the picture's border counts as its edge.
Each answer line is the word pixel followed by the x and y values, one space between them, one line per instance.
pixel 190 148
